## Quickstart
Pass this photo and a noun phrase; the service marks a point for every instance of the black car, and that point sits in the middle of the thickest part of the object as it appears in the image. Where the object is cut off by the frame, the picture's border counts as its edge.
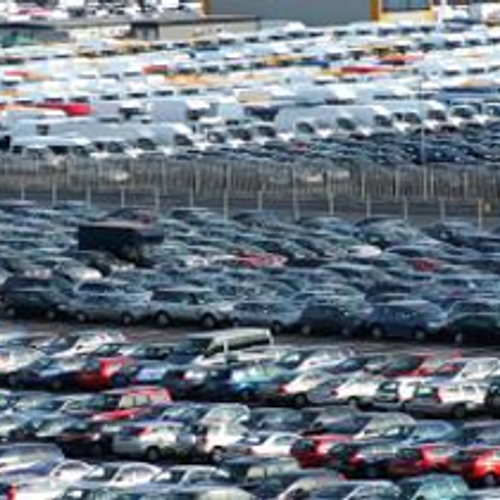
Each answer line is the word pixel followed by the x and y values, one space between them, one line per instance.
pixel 345 318
pixel 29 296
pixel 48 373
pixel 475 327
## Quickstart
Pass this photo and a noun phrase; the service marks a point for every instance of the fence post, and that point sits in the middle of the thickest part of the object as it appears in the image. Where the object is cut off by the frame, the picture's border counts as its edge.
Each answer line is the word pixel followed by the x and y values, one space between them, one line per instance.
pixel 123 198
pixel 465 182
pixel 227 191
pixel 88 194
pixel 481 208
pixel 406 208
pixel 329 193
pixel 442 209
pixel 54 193
pixel 295 200
pixel 260 200
pixel 425 183
pixel 397 184
pixel 368 206
pixel 157 200
pixel 363 185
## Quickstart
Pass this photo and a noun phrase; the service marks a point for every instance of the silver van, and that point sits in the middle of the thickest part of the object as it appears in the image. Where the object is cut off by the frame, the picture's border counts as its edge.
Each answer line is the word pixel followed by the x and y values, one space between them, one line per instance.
pixel 215 346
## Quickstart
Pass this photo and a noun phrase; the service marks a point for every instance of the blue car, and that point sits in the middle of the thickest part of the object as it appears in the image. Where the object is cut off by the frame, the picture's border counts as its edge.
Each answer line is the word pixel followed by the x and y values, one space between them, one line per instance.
pixel 410 319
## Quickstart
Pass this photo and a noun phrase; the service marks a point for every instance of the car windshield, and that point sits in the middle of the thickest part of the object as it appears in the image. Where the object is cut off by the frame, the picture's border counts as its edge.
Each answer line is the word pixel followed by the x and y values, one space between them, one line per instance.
pixel 103 473
pixel 86 494
pixel 347 426
pixel 451 368
pixel 170 477
pixel 103 402
pixel 192 347
pixel 410 490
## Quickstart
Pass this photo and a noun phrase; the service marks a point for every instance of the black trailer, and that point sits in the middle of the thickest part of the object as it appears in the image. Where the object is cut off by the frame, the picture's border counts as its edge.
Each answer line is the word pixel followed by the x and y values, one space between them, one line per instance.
pixel 129 241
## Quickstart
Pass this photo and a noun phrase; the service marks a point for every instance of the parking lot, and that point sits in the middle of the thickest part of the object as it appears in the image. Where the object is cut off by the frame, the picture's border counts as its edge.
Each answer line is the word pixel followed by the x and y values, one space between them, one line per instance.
pixel 191 354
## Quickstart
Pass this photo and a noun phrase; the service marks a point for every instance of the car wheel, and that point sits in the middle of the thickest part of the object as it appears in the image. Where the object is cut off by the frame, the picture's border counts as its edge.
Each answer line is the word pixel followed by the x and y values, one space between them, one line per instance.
pixel 306 330
pixel 217 455
pixel 377 332
pixel 459 338
pixel 152 454
pixel 12 380
pixel 354 402
pixel 459 412
pixel 163 319
pixel 208 322
pixel 51 315
pixel 55 385
pixel 371 472
pixel 420 335
pixel 246 395
pixel 346 332
pixel 300 400
pixel 127 319
pixel 10 312
pixel 277 328
pixel 236 322
pixel 490 480
pixel 81 317
pixel 96 450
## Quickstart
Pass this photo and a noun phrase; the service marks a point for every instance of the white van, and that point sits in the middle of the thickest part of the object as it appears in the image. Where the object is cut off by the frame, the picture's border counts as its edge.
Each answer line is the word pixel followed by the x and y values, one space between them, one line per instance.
pixel 60 147
pixel 210 347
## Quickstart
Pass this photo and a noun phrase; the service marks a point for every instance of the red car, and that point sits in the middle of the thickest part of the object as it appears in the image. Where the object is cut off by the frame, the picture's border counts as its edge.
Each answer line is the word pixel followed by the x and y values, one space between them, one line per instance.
pixel 414 365
pixel 124 404
pixel 313 451
pixel 477 465
pixel 97 373
pixel 420 459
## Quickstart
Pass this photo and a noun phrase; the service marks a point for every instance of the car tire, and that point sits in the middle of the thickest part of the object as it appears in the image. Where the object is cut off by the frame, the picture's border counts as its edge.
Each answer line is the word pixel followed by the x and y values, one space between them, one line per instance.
pixel 81 317
pixel 377 332
pixel 126 319
pixel 208 322
pixel 306 330
pixel 419 335
pixel 152 454
pixel 300 400
pixel 10 312
pixel 354 403
pixel 247 395
pixel 217 455
pixel 371 472
pixel 163 320
pixel 459 412
pixel 96 450
pixel 51 314
pixel 277 328
pixel 346 332
pixel 236 322
pixel 458 338
pixel 490 480
pixel 55 385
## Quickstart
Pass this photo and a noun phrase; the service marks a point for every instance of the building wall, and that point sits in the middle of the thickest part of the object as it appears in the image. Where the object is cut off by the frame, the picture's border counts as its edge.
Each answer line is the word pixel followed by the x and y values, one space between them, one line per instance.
pixel 200 29
pixel 310 12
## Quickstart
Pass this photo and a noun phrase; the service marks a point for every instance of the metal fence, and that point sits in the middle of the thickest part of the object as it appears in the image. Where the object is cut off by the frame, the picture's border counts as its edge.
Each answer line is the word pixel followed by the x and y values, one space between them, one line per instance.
pixel 424 192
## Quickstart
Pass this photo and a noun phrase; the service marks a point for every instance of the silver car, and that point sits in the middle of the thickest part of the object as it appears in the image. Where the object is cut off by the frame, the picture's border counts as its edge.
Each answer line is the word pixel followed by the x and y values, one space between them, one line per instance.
pixel 190 305
pixel 120 474
pixel 188 475
pixel 278 316
pixel 153 440
pixel 124 309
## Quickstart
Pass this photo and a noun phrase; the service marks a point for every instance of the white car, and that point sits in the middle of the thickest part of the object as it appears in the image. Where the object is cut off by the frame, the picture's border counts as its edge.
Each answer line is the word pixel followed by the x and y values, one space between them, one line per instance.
pixel 355 391
pixel 265 444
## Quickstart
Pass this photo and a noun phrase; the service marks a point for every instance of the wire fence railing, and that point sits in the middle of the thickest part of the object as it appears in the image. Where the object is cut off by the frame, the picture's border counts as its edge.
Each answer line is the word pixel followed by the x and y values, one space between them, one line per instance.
pixel 301 188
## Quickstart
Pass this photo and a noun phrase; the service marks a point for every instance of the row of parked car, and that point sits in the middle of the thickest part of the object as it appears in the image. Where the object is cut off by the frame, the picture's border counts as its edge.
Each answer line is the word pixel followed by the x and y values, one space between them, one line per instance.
pixel 379 277
pixel 229 414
